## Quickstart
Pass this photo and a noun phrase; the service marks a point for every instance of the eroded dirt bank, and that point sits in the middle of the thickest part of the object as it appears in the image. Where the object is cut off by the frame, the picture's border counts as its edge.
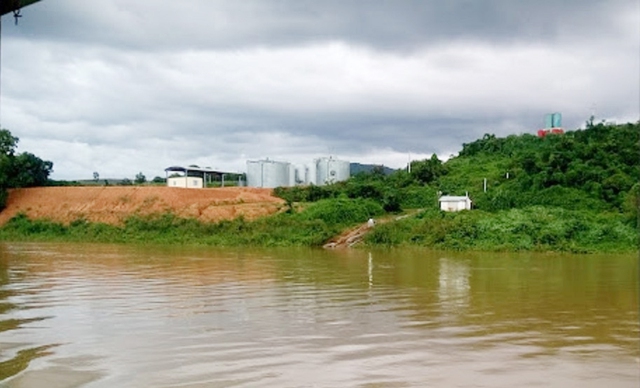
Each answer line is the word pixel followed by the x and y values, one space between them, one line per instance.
pixel 113 204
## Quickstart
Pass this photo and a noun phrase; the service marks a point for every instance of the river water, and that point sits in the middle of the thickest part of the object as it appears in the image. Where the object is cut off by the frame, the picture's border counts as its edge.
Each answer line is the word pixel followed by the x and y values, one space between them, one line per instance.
pixel 75 315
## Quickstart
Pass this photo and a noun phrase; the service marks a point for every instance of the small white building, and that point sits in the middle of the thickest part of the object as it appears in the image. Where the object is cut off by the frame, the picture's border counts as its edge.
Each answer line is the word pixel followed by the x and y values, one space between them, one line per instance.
pixel 450 203
pixel 190 182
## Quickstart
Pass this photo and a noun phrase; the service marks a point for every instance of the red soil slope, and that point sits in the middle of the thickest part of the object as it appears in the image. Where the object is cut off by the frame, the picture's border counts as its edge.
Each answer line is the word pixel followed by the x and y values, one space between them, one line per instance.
pixel 113 204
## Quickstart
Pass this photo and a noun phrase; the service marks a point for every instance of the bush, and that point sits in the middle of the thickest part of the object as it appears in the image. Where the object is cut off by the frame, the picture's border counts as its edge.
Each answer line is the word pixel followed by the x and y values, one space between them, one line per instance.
pixel 342 211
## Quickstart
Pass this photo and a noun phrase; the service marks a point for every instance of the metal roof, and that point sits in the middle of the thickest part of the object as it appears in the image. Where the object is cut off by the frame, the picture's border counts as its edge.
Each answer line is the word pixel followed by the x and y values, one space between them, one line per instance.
pixel 196 169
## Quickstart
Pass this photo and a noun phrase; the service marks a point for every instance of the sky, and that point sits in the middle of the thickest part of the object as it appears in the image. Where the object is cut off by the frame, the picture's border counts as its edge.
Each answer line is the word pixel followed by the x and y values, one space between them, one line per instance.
pixel 120 87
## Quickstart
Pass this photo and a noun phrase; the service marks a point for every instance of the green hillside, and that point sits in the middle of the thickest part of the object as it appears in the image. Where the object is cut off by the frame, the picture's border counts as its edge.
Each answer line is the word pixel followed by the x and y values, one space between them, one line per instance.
pixel 594 169
pixel 576 191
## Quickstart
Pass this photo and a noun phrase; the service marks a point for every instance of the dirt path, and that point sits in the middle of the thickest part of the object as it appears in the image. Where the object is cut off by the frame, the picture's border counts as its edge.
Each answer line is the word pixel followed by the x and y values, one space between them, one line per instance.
pixel 353 236
pixel 113 204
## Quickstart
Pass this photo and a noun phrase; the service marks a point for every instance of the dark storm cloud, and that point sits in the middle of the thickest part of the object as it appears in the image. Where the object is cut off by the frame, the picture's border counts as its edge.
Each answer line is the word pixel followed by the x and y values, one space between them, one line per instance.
pixel 388 25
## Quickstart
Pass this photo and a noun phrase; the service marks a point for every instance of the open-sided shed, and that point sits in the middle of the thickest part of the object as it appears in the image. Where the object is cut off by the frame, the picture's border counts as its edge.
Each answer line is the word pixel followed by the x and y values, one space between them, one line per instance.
pixel 192 177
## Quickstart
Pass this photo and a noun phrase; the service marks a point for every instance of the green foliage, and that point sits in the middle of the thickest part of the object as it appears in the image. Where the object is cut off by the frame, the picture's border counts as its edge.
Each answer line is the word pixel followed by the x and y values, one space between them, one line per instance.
pixel 342 211
pixel 532 228
pixel 21 170
pixel 4 194
pixel 140 178
pixel 8 143
pixel 427 171
pixel 593 169
pixel 27 170
pixel 311 227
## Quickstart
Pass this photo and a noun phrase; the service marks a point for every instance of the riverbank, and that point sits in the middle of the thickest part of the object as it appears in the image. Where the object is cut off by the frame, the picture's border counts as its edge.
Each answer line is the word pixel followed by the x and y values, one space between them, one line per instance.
pixel 538 228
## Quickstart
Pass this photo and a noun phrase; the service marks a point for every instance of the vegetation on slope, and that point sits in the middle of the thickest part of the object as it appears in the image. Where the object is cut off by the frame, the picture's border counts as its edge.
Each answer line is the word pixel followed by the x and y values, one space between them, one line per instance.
pixel 577 191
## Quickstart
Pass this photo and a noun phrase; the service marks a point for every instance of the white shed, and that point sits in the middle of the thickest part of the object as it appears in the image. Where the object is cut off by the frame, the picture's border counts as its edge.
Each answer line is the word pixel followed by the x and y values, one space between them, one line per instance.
pixel 190 182
pixel 450 203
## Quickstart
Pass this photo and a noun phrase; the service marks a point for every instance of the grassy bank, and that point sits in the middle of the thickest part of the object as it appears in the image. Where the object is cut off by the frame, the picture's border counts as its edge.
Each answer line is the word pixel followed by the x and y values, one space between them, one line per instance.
pixel 317 223
pixel 530 229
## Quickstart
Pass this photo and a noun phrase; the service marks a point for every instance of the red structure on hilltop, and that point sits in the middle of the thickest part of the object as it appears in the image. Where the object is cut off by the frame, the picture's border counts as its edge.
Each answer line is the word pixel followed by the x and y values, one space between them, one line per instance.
pixel 553 131
pixel 552 125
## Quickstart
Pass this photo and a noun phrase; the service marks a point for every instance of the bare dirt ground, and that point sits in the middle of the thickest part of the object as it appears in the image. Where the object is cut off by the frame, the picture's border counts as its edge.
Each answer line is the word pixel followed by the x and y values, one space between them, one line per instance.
pixel 113 204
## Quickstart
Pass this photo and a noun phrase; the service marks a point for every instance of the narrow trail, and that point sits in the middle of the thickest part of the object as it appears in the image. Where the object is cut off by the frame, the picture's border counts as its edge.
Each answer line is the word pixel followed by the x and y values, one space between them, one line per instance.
pixel 353 236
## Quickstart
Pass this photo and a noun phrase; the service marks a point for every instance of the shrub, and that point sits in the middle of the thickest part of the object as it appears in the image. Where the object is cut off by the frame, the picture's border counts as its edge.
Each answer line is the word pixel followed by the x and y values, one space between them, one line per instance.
pixel 342 211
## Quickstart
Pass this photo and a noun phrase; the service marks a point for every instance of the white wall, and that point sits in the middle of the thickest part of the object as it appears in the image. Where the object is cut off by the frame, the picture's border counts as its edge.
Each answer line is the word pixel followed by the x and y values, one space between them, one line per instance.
pixel 454 206
pixel 191 182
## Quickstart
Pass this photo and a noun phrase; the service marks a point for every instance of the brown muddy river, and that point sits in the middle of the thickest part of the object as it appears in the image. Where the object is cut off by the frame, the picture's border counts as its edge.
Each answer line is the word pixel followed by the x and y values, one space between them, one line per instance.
pixel 74 315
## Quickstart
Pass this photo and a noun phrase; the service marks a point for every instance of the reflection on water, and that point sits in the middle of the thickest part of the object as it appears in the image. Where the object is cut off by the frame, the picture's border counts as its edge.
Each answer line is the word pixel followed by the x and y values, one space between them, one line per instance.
pixel 105 316
pixel 453 285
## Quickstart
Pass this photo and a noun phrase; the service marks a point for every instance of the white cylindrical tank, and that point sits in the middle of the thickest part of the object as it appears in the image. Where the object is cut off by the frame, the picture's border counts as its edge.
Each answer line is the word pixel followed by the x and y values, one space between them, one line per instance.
pixel 310 174
pixel 293 172
pixel 299 172
pixel 330 170
pixel 254 173
pixel 267 173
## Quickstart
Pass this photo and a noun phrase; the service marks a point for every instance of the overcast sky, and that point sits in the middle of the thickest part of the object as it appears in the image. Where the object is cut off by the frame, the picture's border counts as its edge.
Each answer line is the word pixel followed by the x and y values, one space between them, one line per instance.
pixel 121 87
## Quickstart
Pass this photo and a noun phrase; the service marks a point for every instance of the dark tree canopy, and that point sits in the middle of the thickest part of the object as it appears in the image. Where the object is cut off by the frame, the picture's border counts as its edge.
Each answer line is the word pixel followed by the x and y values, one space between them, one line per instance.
pixel 23 169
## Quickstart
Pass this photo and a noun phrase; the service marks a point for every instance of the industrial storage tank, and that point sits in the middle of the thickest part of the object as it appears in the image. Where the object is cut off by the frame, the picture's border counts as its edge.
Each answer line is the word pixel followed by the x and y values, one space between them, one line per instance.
pixel 268 173
pixel 330 170
pixel 310 175
pixel 299 174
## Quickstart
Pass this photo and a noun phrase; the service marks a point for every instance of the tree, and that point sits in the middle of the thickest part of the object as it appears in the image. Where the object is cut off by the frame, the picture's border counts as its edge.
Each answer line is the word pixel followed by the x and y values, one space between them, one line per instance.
pixel 28 170
pixel 8 143
pixel 96 176
pixel 428 170
pixel 22 170
pixel 140 178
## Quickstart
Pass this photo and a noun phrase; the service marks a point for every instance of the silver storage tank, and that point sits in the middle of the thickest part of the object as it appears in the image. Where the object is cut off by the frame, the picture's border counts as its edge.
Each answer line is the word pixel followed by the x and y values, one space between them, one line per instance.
pixel 267 173
pixel 330 170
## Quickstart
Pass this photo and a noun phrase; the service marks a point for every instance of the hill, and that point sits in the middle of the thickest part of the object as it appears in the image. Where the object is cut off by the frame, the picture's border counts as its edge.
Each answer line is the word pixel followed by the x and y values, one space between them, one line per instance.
pixel 595 169
pixel 576 191
pixel 357 168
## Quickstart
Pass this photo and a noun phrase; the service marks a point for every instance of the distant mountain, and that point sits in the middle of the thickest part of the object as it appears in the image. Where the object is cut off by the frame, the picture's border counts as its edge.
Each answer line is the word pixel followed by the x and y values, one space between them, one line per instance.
pixel 358 168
